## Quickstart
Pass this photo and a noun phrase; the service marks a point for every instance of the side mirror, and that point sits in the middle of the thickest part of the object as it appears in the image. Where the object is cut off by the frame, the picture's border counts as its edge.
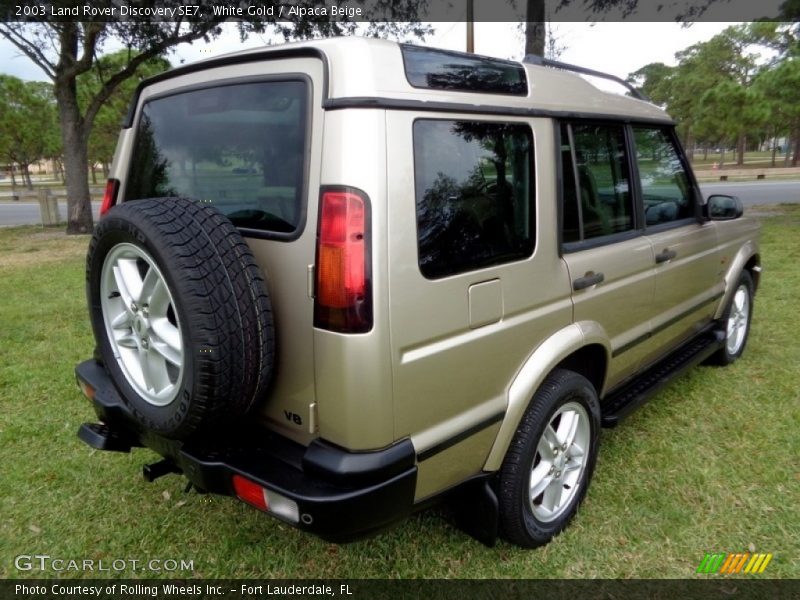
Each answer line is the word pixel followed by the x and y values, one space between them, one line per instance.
pixel 721 207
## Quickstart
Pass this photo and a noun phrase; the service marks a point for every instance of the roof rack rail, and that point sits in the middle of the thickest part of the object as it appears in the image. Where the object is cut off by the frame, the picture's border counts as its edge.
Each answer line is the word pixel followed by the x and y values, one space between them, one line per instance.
pixel 535 59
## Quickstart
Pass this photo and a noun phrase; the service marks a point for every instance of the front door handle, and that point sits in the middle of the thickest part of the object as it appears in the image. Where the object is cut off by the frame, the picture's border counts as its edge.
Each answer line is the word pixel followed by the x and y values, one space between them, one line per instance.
pixel 588 280
pixel 665 256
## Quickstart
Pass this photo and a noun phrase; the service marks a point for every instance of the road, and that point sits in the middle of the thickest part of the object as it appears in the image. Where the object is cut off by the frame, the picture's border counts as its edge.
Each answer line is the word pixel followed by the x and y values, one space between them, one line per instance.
pixel 27 213
pixel 752 193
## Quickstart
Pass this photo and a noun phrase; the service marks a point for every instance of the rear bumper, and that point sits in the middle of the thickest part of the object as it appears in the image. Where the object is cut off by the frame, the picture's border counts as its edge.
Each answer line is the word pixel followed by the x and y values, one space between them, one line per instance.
pixel 340 495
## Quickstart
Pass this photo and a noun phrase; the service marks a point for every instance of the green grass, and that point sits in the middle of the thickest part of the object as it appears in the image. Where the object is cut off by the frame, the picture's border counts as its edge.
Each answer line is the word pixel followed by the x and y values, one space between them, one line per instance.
pixel 709 465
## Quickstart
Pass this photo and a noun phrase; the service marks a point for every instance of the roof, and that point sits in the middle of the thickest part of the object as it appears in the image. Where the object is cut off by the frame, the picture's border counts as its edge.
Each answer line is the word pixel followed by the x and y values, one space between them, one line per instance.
pixel 371 72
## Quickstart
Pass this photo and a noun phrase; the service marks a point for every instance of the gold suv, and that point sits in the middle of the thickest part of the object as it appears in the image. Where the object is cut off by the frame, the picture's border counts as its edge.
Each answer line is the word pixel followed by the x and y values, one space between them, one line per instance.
pixel 344 278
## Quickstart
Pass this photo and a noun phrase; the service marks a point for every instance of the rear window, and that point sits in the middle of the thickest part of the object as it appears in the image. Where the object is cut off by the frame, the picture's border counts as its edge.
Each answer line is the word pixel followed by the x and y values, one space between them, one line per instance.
pixel 240 148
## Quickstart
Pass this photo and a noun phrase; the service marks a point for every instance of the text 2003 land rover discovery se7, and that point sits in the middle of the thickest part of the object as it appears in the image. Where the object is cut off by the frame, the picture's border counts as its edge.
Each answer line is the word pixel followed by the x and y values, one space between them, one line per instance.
pixel 343 278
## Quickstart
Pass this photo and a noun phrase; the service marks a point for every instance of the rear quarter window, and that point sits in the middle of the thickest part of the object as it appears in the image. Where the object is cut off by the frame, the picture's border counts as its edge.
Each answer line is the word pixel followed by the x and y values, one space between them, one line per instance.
pixel 239 147
pixel 473 187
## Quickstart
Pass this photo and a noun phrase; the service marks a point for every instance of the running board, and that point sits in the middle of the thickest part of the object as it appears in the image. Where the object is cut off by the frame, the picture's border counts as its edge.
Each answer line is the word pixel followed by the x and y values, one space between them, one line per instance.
pixel 636 392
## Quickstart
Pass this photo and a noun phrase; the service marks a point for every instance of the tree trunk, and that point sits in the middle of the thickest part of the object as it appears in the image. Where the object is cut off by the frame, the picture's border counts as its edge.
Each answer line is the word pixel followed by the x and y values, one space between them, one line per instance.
pixel 106 169
pixel 534 27
pixel 26 176
pixel 705 152
pixel 796 155
pixel 94 175
pixel 13 177
pixel 740 144
pixel 774 150
pixel 74 137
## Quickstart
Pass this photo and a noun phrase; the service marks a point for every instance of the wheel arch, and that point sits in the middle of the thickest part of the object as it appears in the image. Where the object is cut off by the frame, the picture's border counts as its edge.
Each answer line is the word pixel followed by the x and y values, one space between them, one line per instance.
pixel 582 347
pixel 748 259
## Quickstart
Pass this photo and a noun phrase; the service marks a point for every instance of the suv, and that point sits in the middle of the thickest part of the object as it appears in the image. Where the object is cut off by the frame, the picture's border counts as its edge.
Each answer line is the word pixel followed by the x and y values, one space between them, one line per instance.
pixel 342 279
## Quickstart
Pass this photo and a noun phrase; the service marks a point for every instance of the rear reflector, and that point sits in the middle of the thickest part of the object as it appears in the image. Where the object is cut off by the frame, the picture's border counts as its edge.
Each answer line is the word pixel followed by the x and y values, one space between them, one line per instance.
pixel 109 196
pixel 266 500
pixel 250 492
pixel 343 295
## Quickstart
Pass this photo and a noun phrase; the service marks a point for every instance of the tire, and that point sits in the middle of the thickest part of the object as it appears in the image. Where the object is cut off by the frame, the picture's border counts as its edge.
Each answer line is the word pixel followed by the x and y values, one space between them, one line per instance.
pixel 560 472
pixel 180 313
pixel 736 321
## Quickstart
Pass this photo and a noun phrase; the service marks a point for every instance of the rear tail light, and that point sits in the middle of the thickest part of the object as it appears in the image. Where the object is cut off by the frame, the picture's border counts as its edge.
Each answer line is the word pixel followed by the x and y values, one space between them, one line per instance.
pixel 109 196
pixel 266 500
pixel 343 295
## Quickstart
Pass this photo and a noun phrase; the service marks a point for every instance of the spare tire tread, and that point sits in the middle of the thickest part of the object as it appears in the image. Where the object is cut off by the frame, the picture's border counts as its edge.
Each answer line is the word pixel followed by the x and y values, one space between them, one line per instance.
pixel 222 291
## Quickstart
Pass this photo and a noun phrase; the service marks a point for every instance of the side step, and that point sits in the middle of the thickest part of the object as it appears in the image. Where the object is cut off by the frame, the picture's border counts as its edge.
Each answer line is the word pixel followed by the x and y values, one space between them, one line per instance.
pixel 636 392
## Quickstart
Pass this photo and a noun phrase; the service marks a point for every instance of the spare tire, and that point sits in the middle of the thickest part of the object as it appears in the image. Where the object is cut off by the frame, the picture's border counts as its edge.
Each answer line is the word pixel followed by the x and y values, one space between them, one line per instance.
pixel 180 313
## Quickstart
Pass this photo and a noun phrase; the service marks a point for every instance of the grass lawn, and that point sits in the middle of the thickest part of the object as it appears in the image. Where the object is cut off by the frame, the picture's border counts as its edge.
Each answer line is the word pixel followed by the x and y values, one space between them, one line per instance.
pixel 709 465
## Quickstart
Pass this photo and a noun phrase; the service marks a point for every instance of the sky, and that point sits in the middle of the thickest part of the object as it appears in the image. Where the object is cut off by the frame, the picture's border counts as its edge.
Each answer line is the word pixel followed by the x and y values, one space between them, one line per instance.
pixel 618 48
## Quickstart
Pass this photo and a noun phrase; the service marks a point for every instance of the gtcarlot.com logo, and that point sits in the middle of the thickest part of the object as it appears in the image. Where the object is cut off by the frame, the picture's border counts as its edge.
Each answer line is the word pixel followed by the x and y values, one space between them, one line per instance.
pixel 45 562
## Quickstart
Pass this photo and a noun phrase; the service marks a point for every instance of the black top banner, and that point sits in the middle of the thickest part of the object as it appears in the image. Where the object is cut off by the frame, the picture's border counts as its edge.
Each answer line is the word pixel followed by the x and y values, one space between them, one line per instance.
pixel 293 11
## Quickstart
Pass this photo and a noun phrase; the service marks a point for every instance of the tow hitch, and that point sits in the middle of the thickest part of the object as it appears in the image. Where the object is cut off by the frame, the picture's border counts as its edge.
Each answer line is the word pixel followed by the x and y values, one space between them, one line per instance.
pixel 158 469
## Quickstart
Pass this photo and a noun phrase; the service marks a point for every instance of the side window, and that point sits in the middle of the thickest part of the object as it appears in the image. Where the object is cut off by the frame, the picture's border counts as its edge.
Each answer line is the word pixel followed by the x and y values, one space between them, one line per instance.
pixel 571 226
pixel 603 181
pixel 595 182
pixel 666 191
pixel 474 186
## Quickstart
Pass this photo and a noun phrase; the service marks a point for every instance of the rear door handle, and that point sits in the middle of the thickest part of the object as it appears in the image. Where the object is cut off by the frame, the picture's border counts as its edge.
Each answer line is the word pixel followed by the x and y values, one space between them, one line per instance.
pixel 588 280
pixel 665 256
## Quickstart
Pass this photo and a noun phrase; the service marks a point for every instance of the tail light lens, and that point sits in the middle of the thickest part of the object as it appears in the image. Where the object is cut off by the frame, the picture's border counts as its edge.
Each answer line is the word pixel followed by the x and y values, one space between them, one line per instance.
pixel 343 298
pixel 266 500
pixel 250 492
pixel 109 196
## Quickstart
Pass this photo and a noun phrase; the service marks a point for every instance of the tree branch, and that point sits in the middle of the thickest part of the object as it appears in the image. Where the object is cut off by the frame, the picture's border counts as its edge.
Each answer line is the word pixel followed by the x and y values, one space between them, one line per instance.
pixel 31 51
pixel 130 69
pixel 91 31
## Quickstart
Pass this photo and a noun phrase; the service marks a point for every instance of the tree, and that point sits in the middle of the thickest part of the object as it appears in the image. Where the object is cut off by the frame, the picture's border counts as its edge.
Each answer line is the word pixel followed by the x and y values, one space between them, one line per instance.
pixel 654 81
pixel 104 134
pixel 76 46
pixel 27 123
pixel 536 11
pixel 710 92
pixel 779 83
pixel 778 87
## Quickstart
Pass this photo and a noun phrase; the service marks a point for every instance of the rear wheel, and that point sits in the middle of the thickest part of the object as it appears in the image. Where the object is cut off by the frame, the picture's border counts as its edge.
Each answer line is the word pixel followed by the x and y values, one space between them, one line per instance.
pixel 549 464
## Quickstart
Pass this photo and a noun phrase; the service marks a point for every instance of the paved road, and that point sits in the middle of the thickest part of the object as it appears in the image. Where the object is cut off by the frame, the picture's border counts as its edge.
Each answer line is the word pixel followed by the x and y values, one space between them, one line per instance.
pixel 756 192
pixel 751 192
pixel 27 213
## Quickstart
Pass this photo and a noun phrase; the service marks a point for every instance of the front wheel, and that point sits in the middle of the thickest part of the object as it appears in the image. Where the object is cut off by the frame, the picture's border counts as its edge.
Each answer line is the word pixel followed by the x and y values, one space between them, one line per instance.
pixel 736 321
pixel 549 464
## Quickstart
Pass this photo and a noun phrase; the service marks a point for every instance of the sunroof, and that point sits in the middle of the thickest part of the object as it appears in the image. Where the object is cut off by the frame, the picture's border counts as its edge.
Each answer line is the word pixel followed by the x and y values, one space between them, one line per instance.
pixel 442 70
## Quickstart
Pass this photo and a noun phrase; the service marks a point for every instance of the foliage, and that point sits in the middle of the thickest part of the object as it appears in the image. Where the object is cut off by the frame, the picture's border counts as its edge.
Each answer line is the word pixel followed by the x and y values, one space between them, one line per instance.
pixel 104 134
pixel 729 88
pixel 28 129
